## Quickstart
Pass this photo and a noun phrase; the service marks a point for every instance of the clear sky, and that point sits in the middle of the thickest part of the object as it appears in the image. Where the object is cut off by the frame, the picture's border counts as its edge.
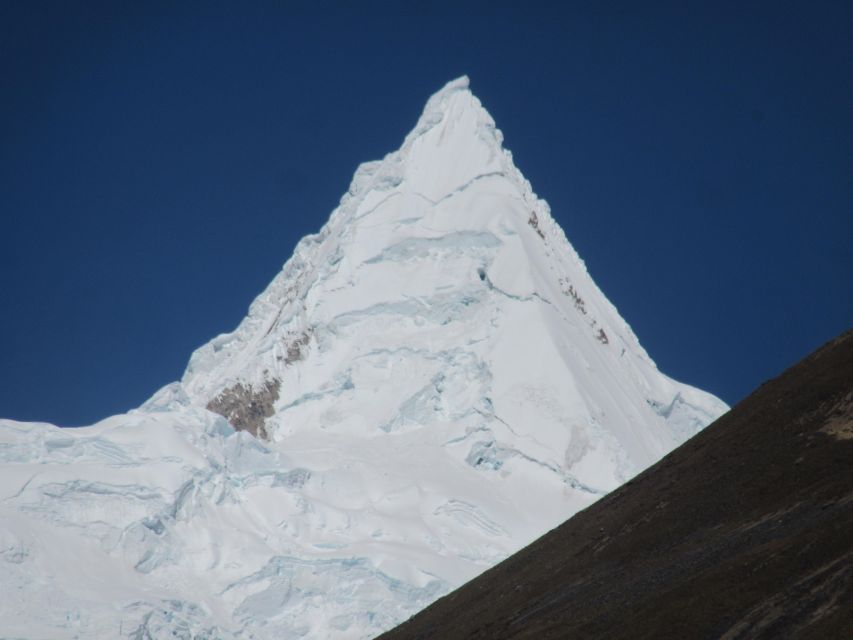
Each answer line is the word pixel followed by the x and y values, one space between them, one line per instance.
pixel 158 163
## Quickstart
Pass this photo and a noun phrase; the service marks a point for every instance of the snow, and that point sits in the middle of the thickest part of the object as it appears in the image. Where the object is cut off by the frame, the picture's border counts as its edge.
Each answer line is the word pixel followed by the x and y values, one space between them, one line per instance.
pixel 453 385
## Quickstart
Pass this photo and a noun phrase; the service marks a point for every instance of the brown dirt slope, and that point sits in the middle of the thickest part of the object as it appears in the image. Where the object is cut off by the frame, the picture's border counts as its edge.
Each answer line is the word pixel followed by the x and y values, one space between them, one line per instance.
pixel 745 531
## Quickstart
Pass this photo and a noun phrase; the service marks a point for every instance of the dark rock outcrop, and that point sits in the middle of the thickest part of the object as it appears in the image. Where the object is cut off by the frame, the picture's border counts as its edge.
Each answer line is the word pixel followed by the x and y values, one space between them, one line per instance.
pixel 246 408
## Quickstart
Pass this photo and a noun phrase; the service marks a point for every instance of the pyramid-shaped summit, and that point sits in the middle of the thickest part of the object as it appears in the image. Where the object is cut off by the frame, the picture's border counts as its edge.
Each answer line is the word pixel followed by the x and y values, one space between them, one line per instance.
pixel 431 382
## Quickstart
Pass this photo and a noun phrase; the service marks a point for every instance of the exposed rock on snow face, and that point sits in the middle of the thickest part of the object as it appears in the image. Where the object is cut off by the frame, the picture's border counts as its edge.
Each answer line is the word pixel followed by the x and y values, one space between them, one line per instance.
pixel 439 381
pixel 245 408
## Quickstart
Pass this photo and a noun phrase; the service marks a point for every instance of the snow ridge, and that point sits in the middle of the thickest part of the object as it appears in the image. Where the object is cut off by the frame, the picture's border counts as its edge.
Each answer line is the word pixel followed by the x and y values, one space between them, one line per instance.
pixel 434 380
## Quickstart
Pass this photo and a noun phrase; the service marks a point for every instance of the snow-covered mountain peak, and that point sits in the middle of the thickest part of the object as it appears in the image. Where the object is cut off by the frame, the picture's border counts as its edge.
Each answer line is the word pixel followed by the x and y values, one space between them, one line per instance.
pixel 433 381
pixel 454 141
pixel 456 111
pixel 438 101
pixel 453 150
pixel 441 291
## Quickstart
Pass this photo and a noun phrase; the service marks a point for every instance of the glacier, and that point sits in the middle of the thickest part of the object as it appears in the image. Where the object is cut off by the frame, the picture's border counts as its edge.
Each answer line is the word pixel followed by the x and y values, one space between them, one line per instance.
pixel 430 383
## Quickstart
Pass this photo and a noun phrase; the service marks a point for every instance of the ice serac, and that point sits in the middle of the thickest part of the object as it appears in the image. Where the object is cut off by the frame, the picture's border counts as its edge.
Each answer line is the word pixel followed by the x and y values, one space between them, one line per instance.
pixel 433 379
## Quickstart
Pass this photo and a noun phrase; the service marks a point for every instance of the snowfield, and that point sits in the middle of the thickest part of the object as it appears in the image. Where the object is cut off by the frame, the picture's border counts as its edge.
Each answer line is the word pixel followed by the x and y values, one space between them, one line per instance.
pixel 434 380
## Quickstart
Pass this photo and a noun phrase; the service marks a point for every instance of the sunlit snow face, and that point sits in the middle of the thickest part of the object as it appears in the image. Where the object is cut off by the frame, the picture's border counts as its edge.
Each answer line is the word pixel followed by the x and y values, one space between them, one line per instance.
pixel 419 369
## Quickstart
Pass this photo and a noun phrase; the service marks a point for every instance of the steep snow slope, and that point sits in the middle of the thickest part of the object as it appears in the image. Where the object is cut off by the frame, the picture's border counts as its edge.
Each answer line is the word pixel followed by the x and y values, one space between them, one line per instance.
pixel 742 533
pixel 435 380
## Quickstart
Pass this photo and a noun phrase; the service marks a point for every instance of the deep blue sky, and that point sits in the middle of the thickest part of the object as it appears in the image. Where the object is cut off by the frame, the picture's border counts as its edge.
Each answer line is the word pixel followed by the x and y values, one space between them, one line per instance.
pixel 158 164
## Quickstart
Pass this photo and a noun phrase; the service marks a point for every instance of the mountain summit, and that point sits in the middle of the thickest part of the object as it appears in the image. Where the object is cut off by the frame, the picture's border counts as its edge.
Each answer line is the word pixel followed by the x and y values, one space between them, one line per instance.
pixel 431 382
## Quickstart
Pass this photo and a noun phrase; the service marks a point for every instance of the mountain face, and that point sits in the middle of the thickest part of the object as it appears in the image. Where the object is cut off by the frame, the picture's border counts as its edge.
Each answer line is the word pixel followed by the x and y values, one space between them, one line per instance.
pixel 431 381
pixel 744 532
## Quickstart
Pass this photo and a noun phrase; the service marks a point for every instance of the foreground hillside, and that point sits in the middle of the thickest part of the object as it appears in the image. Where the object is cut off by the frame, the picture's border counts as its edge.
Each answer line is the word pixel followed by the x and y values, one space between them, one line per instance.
pixel 745 531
